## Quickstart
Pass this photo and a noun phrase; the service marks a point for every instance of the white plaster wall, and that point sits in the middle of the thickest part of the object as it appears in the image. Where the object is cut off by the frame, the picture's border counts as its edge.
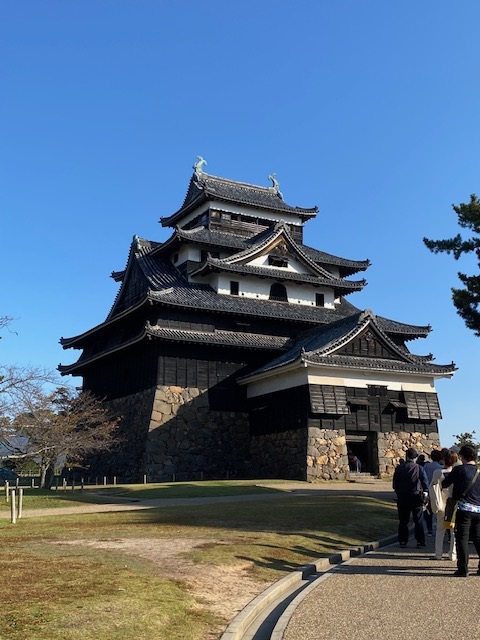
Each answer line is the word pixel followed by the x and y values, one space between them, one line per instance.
pixel 188 252
pixel 307 375
pixel 277 383
pixel 293 265
pixel 259 289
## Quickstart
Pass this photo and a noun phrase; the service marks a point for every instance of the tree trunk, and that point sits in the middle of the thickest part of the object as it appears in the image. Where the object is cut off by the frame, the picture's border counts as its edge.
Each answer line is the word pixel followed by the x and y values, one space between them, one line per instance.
pixel 43 474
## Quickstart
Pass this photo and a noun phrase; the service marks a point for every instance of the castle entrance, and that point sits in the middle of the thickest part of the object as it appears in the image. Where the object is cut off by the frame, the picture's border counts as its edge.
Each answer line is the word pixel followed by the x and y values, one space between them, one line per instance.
pixel 364 447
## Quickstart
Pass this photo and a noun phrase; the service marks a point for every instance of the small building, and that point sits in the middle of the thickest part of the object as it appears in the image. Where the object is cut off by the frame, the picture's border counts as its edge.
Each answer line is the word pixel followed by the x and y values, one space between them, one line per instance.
pixel 231 350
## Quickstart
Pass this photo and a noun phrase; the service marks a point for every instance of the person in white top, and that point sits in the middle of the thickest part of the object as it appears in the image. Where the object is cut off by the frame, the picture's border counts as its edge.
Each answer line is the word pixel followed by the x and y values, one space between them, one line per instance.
pixel 438 498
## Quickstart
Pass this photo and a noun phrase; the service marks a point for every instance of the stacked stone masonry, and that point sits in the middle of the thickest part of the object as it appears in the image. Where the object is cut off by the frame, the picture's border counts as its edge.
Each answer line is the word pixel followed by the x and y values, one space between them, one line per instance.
pixel 186 440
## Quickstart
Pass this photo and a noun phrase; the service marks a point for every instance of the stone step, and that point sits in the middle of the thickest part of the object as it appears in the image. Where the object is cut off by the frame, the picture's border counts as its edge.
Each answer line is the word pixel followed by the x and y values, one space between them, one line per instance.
pixel 363 477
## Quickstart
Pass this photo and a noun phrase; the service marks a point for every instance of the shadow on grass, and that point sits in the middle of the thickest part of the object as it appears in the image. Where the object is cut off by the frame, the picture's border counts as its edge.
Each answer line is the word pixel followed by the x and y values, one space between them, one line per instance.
pixel 277 534
pixel 186 490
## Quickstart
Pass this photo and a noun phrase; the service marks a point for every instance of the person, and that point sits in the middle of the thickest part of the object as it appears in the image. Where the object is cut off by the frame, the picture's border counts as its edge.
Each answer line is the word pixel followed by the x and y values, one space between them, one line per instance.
pixel 457 451
pixel 467 522
pixel 353 462
pixel 430 468
pixel 438 497
pixel 411 486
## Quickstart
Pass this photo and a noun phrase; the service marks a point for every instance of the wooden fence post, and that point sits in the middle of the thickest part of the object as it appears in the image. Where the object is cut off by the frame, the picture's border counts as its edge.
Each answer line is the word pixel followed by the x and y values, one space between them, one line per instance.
pixel 13 507
pixel 20 502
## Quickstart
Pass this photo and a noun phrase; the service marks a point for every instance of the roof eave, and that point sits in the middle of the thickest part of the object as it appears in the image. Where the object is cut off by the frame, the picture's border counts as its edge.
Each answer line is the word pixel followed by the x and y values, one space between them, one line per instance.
pixel 69 343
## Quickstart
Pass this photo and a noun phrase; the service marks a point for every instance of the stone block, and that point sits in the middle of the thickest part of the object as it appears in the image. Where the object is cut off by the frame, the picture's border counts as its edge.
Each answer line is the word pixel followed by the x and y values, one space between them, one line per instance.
pixel 162 407
pixel 175 389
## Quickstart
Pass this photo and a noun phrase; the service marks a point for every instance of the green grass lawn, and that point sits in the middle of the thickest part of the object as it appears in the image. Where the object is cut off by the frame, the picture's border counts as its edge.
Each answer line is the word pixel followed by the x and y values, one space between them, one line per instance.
pixel 35 498
pixel 70 592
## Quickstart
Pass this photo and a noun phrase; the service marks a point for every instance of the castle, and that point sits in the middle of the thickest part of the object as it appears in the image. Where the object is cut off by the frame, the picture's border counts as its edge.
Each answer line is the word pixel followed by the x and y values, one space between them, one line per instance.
pixel 231 351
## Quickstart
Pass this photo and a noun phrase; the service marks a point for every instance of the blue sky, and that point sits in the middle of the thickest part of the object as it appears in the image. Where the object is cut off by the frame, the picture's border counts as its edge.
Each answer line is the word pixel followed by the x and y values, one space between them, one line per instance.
pixel 367 109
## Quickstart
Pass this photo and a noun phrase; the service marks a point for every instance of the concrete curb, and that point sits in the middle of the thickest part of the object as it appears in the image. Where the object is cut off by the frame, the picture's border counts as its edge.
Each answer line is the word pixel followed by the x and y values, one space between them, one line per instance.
pixel 242 621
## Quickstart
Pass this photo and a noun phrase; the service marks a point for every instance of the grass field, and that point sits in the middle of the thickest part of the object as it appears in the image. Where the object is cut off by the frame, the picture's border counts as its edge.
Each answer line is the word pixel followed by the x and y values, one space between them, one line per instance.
pixel 69 578
pixel 99 494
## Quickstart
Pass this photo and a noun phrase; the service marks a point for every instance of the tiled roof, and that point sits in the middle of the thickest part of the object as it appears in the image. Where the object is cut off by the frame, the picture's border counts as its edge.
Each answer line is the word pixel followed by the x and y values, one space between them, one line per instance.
pixel 239 339
pixel 220 239
pixel 194 297
pixel 169 287
pixel 235 263
pixel 340 286
pixel 386 364
pixel 277 235
pixel 208 187
pixel 402 329
pixel 348 266
pixel 320 346
pixel 218 337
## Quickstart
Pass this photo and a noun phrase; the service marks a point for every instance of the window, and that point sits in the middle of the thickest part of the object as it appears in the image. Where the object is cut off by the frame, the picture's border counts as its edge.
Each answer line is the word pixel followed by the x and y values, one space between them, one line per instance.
pixel 276 261
pixel 377 390
pixel 175 258
pixel 422 406
pixel 278 292
pixel 328 399
pixel 234 287
pixel 320 299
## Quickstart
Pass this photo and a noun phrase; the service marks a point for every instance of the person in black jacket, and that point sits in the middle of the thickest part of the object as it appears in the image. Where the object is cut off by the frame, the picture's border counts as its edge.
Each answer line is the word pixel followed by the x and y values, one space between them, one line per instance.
pixel 411 486
pixel 467 521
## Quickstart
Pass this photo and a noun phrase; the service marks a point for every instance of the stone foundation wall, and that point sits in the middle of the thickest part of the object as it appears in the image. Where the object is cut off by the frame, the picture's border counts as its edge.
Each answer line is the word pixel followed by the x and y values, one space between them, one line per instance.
pixel 170 431
pixel 279 455
pixel 326 454
pixel 127 461
pixel 188 440
pixel 392 447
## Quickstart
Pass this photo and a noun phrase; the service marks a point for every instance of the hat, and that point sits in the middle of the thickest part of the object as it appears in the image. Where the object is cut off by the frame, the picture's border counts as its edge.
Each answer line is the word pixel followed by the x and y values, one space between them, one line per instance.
pixel 411 453
pixel 455 448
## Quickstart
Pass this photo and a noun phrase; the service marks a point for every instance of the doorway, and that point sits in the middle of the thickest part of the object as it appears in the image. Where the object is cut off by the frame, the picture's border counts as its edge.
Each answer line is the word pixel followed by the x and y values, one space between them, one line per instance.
pixel 364 447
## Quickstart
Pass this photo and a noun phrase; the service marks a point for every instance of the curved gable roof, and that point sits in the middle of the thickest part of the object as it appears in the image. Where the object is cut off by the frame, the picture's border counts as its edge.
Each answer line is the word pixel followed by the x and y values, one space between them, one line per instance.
pixel 204 187
pixel 323 346
pixel 237 262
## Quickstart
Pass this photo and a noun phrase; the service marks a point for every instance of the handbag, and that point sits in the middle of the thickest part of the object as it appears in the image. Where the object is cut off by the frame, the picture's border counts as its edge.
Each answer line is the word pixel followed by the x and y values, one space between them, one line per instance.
pixel 451 505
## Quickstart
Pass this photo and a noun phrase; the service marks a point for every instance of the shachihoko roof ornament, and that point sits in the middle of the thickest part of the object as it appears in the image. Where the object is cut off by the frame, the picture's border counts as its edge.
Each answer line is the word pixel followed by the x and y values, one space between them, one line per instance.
pixel 275 186
pixel 197 167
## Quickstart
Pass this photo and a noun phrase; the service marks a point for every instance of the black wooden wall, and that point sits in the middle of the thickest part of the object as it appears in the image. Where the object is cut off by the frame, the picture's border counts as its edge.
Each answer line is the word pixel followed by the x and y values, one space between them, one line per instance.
pixel 360 410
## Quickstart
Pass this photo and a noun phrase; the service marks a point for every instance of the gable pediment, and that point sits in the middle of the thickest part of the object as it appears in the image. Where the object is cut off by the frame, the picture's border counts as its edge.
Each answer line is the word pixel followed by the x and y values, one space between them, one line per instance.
pixel 281 251
pixel 369 344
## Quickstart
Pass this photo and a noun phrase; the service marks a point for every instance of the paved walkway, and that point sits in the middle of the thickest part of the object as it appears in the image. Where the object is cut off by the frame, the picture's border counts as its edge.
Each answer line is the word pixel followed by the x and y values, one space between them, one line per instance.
pixel 390 594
